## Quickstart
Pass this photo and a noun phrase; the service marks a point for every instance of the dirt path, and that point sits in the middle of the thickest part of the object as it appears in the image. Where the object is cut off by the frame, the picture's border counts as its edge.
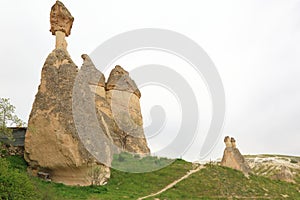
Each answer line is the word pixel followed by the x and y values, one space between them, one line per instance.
pixel 173 183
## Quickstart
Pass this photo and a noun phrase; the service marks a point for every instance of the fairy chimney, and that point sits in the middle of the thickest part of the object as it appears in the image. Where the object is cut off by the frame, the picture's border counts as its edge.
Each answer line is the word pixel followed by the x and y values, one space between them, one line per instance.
pixel 52 143
pixel 63 120
pixel 233 158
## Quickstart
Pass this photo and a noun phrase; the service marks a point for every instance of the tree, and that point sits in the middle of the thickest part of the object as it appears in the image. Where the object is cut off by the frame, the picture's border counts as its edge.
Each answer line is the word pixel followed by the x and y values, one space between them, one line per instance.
pixel 8 117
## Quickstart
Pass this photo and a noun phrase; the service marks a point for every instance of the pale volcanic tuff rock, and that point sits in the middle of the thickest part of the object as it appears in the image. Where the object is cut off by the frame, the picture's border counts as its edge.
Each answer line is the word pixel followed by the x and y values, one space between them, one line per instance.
pixel 95 81
pixel 120 80
pixel 88 93
pixel 51 123
pixel 52 144
pixel 118 108
pixel 233 158
pixel 123 96
pixel 61 22
pixel 107 115
pixel 60 19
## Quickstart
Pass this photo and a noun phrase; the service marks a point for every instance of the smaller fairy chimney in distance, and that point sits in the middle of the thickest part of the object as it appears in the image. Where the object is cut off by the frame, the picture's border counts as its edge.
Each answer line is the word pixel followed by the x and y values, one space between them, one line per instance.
pixel 233 158
pixel 61 22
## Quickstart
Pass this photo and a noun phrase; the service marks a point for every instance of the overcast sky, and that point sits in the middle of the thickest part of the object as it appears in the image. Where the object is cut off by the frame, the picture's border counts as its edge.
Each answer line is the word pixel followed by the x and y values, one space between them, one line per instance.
pixel 254 44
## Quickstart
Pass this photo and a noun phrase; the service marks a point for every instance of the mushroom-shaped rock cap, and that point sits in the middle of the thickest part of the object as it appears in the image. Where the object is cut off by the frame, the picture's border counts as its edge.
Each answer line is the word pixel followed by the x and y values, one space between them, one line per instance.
pixel 119 79
pixel 94 76
pixel 60 19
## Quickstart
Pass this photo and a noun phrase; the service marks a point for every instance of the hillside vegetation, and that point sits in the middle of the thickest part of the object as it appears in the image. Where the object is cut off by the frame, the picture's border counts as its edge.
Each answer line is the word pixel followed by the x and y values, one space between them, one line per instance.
pixel 211 182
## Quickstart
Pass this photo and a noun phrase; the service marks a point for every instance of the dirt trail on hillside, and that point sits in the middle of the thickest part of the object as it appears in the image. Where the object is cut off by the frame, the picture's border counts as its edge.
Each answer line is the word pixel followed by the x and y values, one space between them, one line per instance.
pixel 173 183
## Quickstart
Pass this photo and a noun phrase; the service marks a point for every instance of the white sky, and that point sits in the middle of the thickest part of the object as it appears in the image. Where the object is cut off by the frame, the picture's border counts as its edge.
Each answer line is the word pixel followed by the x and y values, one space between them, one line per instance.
pixel 254 44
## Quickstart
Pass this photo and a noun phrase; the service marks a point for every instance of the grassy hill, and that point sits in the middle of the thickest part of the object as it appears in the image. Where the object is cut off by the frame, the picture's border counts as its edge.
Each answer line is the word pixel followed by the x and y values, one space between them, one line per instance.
pixel 212 182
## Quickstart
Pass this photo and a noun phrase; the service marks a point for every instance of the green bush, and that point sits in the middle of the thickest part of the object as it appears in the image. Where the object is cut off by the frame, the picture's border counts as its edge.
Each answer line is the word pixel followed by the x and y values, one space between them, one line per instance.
pixel 294 161
pixel 15 185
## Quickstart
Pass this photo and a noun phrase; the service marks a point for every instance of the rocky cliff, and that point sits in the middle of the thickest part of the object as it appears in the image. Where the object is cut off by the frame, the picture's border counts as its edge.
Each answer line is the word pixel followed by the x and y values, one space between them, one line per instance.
pixel 69 128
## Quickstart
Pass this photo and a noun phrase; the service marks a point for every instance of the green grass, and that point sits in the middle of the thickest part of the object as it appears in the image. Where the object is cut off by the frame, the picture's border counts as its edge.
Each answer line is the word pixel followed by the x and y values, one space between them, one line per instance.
pixel 223 183
pixel 212 182
pixel 131 186
pixel 134 163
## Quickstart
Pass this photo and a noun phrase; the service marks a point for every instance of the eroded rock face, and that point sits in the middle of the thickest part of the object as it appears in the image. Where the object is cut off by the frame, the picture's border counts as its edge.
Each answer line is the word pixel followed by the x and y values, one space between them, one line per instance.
pixel 118 108
pixel 92 128
pixel 233 158
pixel 51 143
pixel 112 118
pixel 61 22
pixel 60 19
pixel 123 97
pixel 119 80
pixel 73 133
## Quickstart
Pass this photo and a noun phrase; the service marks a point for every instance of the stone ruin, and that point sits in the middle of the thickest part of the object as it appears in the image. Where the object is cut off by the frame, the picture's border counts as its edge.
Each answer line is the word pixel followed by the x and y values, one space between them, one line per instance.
pixel 52 143
pixel 233 158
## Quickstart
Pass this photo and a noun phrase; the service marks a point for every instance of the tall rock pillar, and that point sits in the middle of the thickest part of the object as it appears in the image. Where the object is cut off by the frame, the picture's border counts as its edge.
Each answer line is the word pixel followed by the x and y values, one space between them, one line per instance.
pixel 124 98
pixel 52 144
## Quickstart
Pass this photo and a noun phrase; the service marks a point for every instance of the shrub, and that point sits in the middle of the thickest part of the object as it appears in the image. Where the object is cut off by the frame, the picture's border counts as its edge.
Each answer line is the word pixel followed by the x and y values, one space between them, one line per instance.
pixel 15 185
pixel 294 161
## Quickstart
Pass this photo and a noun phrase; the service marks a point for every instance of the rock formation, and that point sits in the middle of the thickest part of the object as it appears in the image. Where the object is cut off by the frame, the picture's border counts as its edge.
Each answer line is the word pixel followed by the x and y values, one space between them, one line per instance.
pixel 285 174
pixel 65 122
pixel 123 96
pixel 118 108
pixel 233 158
pixel 51 143
pixel 61 22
